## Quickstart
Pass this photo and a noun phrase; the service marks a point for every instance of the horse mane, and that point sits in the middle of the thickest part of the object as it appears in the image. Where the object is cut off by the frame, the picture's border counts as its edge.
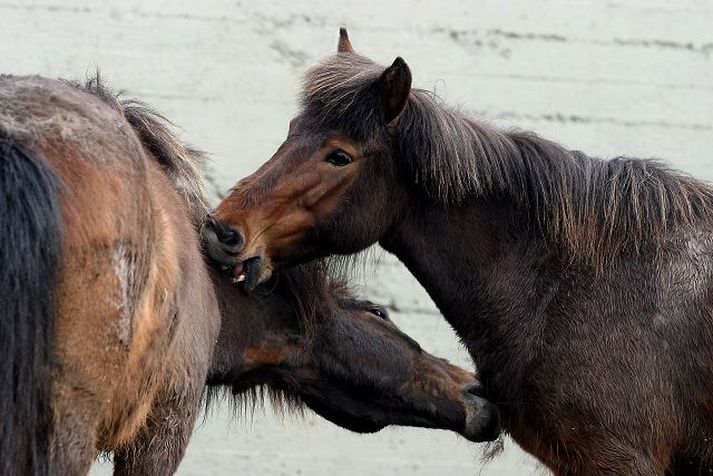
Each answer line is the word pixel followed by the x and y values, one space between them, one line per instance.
pixel 247 402
pixel 316 291
pixel 181 163
pixel 316 295
pixel 595 208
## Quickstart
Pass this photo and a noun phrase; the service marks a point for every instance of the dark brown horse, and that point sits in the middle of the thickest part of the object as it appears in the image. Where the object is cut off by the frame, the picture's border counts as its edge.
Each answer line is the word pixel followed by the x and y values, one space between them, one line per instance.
pixel 582 287
pixel 109 318
pixel 312 342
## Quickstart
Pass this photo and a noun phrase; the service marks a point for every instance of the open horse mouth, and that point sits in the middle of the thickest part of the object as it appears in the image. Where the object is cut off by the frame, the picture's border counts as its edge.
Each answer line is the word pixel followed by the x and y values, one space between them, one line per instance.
pixel 248 272
pixel 222 244
pixel 239 273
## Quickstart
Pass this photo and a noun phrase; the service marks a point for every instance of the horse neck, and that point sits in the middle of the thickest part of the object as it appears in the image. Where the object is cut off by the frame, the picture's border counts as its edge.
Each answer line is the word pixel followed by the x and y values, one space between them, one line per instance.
pixel 246 320
pixel 483 270
pixel 482 228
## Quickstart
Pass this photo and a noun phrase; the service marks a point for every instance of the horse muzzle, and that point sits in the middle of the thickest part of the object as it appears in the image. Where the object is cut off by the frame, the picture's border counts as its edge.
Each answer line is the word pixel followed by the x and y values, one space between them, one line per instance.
pixel 482 417
pixel 221 243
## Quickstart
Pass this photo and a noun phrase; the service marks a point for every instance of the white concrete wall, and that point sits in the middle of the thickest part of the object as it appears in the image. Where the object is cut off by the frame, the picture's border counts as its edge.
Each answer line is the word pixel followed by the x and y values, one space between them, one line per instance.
pixel 617 77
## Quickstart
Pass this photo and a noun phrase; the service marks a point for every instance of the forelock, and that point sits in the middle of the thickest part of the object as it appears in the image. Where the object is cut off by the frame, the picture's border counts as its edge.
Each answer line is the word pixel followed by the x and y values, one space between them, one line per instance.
pixel 340 92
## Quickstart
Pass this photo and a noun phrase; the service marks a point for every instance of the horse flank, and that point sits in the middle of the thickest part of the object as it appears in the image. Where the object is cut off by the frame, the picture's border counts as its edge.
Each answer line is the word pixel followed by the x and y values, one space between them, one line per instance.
pixel 594 208
pixel 312 287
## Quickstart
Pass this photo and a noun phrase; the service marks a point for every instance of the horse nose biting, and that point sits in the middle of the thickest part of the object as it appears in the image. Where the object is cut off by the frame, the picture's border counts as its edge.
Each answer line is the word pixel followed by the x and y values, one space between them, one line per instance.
pixel 221 242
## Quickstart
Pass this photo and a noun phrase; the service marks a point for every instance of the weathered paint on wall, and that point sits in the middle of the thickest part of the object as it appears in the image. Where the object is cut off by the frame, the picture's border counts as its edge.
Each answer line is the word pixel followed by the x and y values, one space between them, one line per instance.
pixel 611 78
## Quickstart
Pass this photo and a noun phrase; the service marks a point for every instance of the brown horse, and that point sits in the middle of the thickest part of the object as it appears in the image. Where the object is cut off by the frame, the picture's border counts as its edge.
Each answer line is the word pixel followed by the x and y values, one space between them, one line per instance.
pixel 108 324
pixel 109 318
pixel 582 287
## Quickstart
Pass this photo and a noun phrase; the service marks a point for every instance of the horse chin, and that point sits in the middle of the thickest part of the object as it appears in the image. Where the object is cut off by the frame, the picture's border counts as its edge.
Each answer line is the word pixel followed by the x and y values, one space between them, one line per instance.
pixel 355 425
pixel 251 272
pixel 364 428
pixel 340 417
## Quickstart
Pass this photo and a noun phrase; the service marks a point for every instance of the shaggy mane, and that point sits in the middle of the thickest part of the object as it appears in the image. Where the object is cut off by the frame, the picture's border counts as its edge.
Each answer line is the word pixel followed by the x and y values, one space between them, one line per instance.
pixel 595 208
pixel 316 295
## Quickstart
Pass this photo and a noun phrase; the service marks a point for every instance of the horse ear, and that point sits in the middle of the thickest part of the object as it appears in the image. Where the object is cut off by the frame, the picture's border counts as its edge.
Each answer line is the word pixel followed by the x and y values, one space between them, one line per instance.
pixel 344 46
pixel 394 89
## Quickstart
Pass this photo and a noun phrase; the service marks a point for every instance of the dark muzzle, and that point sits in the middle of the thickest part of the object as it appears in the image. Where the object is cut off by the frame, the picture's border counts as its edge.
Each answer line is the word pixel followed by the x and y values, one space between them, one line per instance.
pixel 221 243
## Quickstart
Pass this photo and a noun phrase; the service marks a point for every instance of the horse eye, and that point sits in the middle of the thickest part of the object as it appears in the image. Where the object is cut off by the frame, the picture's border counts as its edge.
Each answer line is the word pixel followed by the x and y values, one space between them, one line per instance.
pixel 339 158
pixel 377 311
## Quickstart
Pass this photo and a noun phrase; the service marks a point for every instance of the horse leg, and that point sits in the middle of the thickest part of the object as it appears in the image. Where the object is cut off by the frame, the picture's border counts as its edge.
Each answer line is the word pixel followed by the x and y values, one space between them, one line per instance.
pixel 160 446
pixel 73 443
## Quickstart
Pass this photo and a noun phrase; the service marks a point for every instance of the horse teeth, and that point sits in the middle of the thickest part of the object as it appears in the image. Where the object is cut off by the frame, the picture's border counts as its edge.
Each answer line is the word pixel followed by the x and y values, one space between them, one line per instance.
pixel 239 279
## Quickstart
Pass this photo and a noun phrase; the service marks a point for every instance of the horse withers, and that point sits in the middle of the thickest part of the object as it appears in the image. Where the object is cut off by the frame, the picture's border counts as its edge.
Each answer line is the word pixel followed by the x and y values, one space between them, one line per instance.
pixel 582 287
pixel 109 318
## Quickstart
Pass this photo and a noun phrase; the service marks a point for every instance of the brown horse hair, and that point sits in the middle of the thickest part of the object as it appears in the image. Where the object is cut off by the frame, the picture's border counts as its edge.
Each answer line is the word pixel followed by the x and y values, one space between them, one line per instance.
pixel 181 162
pixel 594 208
pixel 316 293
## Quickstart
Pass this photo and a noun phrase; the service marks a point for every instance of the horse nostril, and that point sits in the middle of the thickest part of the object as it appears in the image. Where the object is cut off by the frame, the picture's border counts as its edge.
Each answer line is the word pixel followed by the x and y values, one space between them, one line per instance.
pixel 231 240
pixel 228 237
